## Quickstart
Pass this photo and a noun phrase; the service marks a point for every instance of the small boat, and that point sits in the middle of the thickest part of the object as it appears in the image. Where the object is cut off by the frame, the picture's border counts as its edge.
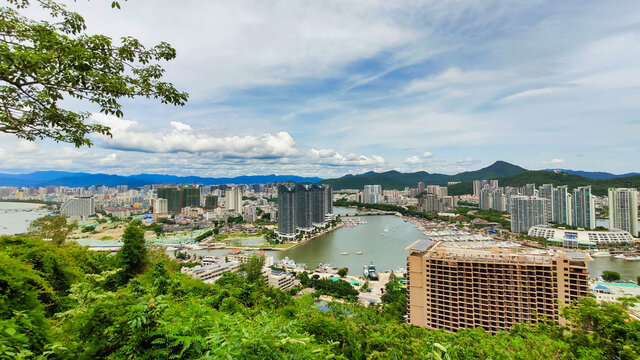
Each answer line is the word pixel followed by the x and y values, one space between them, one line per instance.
pixel 358 252
pixel 620 256
pixel 601 254
pixel 632 258
pixel 344 253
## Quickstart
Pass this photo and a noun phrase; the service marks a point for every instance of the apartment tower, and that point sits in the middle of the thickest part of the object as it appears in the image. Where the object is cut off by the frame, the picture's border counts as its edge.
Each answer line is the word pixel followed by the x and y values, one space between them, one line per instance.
pixel 623 210
pixel 454 285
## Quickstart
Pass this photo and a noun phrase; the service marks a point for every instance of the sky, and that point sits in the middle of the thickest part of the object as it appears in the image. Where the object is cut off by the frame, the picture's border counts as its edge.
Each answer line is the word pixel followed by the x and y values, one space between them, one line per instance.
pixel 328 88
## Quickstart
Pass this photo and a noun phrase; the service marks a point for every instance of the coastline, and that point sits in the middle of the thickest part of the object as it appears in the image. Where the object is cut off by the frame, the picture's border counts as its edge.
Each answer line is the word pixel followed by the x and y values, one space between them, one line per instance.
pixel 309 239
pixel 23 202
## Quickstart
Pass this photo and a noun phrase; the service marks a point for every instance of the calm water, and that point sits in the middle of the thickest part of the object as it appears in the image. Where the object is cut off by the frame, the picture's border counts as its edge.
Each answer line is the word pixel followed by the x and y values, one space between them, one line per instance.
pixel 385 249
pixel 629 270
pixel 15 222
pixel 605 223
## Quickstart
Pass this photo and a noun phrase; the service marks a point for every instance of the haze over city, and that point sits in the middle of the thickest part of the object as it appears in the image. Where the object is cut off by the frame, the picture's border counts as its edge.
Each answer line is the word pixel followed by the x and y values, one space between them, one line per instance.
pixel 330 88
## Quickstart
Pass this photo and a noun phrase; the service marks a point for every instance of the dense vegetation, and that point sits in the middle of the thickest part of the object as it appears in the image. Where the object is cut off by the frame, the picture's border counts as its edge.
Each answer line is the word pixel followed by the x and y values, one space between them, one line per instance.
pixel 598 187
pixel 63 302
pixel 398 180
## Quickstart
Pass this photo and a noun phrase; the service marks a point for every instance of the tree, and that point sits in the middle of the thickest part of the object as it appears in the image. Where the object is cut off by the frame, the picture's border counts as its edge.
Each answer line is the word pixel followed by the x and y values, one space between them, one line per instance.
pixel 638 280
pixel 342 272
pixel 46 61
pixel 610 275
pixel 133 253
pixel 52 227
pixel 253 268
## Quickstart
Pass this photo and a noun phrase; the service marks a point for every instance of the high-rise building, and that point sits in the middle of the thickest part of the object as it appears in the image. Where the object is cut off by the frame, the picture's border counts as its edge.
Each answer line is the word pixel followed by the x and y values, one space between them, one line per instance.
pixel 486 199
pixel 79 208
pixel 372 194
pixel 528 211
pixel 454 286
pixel 317 205
pixel 328 200
pixel 623 209
pixel 233 199
pixel 529 190
pixel 546 192
pixel 430 202
pixel 210 202
pixel 160 209
pixel 562 213
pixel 421 187
pixel 180 198
pixel 478 185
pixel 286 211
pixel 304 208
pixel 584 208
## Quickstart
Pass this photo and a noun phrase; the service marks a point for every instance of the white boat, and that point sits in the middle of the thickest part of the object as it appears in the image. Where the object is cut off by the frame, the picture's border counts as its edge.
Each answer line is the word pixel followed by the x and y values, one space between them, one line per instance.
pixel 620 256
pixel 358 252
pixel 601 254
pixel 632 258
pixel 344 253
pixel 171 248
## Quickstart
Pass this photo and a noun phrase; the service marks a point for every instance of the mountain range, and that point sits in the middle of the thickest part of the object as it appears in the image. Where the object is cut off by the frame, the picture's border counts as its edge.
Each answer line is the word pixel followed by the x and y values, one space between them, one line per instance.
pixel 508 174
pixel 397 180
pixel 599 175
pixel 79 179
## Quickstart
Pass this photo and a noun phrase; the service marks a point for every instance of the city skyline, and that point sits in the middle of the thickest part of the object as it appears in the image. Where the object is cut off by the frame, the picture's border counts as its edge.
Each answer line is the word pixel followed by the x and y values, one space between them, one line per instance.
pixel 316 89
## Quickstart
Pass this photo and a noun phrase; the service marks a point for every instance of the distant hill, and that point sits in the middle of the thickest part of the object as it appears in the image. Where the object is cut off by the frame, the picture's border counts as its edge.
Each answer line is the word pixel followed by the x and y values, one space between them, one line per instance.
pixel 397 180
pixel 78 179
pixel 598 186
pixel 599 175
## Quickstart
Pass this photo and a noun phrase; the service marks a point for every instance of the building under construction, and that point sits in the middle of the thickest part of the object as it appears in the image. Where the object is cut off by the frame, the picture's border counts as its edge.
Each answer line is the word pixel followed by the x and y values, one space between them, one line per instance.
pixel 457 285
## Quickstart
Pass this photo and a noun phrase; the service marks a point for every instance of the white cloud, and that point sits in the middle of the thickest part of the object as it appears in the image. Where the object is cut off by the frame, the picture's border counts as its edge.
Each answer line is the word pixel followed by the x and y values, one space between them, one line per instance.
pixel 532 93
pixel 26 146
pixel 130 136
pixel 427 154
pixel 253 43
pixel 109 159
pixel 331 157
pixel 413 160
pixel 554 161
pixel 451 77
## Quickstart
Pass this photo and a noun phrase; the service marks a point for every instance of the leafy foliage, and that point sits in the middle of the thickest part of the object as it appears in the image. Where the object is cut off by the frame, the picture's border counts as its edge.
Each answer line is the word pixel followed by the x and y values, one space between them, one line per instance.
pixel 44 62
pixel 52 227
pixel 608 275
pixel 161 313
pixel 133 254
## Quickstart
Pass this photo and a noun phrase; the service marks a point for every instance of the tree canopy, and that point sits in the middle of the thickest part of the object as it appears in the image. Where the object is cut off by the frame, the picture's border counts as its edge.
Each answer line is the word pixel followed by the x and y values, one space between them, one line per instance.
pixel 52 227
pixel 43 62
pixel 61 303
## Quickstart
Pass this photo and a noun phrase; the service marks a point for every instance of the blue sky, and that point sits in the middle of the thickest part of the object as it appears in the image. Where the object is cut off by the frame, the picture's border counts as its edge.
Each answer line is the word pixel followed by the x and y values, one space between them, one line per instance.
pixel 336 87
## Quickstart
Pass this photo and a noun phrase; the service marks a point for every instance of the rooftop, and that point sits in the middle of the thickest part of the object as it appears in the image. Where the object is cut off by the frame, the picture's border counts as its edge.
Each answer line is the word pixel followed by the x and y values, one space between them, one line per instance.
pixel 496 251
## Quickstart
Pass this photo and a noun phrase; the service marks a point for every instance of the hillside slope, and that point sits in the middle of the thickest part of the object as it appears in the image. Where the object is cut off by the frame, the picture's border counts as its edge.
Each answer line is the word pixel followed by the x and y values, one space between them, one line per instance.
pixel 599 186
pixel 397 180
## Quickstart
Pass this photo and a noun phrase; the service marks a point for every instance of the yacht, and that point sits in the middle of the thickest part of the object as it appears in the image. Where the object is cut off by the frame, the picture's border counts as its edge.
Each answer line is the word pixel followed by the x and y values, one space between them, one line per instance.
pixel 358 252
pixel 632 258
pixel 344 253
pixel 369 272
pixel 601 254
